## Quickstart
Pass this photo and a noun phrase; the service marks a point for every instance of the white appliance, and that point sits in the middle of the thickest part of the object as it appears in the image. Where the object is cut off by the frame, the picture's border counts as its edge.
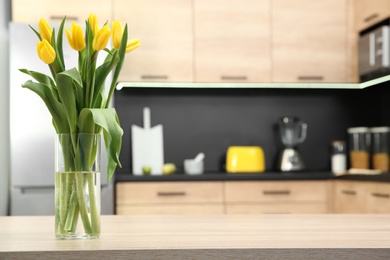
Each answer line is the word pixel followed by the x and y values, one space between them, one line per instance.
pixel 32 134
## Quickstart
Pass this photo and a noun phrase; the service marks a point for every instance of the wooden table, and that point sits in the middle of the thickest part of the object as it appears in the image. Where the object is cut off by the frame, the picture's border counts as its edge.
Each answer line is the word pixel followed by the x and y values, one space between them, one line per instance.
pixel 325 236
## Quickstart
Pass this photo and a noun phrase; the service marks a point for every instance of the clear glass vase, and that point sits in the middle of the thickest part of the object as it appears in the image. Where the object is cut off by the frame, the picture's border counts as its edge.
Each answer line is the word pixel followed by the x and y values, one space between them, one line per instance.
pixel 77 186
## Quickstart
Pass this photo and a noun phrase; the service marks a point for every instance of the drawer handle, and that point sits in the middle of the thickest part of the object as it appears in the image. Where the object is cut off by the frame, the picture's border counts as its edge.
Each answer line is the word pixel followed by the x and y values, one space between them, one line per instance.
pixel 310 77
pixel 349 192
pixel 276 192
pixel 380 195
pixel 171 193
pixel 370 17
pixel 154 77
pixel 277 212
pixel 234 78
pixel 58 17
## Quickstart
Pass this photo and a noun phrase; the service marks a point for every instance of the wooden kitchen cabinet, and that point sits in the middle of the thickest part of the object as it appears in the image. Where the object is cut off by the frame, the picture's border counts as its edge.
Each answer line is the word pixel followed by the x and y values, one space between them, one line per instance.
pixel 166 35
pixel 30 11
pixel 369 12
pixel 309 41
pixel 361 197
pixel 232 41
pixel 262 197
pixel 134 198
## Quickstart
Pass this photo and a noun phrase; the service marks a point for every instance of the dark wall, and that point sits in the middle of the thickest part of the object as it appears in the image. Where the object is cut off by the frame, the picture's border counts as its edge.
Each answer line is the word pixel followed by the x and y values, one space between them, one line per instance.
pixel 211 120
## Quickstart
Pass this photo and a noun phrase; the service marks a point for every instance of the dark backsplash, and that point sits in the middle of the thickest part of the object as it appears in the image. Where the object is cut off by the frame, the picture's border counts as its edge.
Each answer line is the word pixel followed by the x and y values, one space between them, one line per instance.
pixel 210 120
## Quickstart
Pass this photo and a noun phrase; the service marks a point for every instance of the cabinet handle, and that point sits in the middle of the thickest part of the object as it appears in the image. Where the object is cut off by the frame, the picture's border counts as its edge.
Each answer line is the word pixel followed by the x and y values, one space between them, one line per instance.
pixel 154 77
pixel 303 77
pixel 276 192
pixel 171 193
pixel 371 17
pixel 380 195
pixel 349 192
pixel 277 212
pixel 234 78
pixel 59 17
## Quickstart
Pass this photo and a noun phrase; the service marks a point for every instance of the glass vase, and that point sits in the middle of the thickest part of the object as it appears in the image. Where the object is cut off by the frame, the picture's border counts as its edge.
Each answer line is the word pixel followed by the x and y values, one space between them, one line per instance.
pixel 77 186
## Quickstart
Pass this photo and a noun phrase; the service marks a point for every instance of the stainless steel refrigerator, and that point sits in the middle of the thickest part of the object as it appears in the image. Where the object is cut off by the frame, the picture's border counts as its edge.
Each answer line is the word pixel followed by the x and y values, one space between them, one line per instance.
pixel 32 134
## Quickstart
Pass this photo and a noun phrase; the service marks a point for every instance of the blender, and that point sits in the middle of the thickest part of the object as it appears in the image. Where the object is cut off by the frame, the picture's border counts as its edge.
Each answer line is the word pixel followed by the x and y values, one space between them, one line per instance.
pixel 292 132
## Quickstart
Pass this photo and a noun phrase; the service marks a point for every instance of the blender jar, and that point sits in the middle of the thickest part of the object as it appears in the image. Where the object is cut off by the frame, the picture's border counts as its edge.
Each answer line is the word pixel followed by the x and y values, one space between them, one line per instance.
pixel 359 147
pixel 380 148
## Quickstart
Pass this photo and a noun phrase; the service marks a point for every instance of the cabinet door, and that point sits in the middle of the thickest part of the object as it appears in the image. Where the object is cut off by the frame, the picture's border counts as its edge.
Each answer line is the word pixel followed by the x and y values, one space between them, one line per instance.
pixel 276 208
pixel 30 11
pixel 309 40
pixel 350 196
pixel 369 12
pixel 174 209
pixel 232 40
pixel 165 32
pixel 378 200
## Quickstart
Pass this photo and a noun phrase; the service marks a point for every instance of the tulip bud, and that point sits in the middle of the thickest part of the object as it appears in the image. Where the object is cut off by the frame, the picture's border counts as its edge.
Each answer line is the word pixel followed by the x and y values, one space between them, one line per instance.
pixel 45 30
pixel 46 52
pixel 93 23
pixel 75 37
pixel 117 33
pixel 101 38
pixel 132 45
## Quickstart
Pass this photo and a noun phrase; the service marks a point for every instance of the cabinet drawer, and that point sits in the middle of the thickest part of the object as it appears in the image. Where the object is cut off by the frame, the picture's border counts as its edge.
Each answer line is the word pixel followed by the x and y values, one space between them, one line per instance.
pixel 275 191
pixel 350 196
pixel 169 192
pixel 30 11
pixel 378 198
pixel 171 209
pixel 276 208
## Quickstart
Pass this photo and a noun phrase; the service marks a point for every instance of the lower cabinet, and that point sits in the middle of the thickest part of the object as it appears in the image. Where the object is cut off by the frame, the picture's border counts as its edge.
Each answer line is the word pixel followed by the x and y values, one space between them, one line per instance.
pixel 137 198
pixel 222 197
pixel 276 197
pixel 361 197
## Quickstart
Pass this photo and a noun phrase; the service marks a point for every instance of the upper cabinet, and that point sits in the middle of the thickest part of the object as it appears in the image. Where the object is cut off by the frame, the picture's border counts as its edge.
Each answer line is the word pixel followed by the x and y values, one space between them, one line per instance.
pixel 369 12
pixel 309 41
pixel 165 31
pixel 30 11
pixel 232 41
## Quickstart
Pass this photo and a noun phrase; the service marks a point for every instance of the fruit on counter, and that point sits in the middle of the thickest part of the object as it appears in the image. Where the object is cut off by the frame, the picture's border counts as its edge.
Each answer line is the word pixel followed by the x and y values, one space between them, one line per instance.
pixel 169 168
pixel 146 169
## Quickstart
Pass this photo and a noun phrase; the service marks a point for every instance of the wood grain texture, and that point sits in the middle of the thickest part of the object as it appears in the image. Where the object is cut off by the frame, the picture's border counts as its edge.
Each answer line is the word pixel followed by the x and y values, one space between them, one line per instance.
pixel 369 12
pixel 205 237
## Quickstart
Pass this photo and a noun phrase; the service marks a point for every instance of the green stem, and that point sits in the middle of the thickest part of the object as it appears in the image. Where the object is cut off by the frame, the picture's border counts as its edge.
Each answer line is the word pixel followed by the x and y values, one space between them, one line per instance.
pixel 81 203
pixel 95 220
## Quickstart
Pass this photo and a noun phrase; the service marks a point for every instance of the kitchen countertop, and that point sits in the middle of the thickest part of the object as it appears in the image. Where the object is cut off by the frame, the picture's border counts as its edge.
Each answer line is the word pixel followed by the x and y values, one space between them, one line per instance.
pixel 324 236
pixel 309 175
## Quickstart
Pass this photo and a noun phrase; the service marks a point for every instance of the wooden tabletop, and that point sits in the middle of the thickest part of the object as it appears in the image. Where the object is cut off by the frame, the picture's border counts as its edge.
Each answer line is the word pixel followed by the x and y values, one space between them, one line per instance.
pixel 327 236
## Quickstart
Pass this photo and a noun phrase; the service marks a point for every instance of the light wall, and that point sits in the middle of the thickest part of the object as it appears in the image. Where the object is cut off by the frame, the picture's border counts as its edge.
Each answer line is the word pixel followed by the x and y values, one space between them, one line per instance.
pixel 5 17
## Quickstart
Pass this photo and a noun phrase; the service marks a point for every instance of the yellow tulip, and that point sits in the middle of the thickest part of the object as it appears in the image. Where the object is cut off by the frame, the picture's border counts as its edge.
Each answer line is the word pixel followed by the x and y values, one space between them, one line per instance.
pixel 132 45
pixel 117 33
pixel 75 37
pixel 93 22
pixel 101 38
pixel 45 30
pixel 46 52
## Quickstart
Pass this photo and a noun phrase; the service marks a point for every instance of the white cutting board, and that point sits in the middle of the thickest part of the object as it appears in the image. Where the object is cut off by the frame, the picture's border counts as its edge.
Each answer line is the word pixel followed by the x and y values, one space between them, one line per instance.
pixel 147 146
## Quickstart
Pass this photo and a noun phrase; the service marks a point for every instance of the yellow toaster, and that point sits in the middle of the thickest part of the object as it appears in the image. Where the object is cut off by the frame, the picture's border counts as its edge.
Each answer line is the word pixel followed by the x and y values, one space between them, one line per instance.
pixel 245 159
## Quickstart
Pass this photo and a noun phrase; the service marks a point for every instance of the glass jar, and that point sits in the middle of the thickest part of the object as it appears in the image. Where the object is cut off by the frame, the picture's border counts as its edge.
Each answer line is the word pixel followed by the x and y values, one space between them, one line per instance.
pixel 359 147
pixel 380 148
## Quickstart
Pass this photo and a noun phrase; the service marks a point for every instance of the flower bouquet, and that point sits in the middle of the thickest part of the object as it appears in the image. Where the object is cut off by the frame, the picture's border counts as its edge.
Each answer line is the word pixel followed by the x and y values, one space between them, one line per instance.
pixel 78 102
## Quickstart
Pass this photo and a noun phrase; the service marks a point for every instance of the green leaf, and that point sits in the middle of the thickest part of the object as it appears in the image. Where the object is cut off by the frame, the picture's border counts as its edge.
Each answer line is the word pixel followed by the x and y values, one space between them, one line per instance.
pixel 60 52
pixel 108 120
pixel 36 32
pixel 54 106
pixel 40 77
pixel 67 83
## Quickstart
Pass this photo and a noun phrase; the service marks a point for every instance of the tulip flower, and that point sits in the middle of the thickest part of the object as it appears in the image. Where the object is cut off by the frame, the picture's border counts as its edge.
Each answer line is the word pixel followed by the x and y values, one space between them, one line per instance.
pixel 46 52
pixel 132 45
pixel 45 30
pixel 101 38
pixel 75 37
pixel 117 33
pixel 93 22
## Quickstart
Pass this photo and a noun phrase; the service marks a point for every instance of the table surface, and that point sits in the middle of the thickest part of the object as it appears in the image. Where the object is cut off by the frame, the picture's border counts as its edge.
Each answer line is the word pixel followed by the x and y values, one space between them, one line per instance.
pixel 205 236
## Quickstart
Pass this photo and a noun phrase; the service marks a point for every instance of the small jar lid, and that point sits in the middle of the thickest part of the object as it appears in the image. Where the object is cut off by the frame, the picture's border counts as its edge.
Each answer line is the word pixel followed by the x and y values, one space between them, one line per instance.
pixel 358 130
pixel 380 129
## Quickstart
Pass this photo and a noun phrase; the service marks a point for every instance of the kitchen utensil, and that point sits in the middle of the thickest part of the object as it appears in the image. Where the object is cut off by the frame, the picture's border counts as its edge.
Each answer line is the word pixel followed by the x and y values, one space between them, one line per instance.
pixel 147 146
pixel 245 159
pixel 194 166
pixel 292 132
